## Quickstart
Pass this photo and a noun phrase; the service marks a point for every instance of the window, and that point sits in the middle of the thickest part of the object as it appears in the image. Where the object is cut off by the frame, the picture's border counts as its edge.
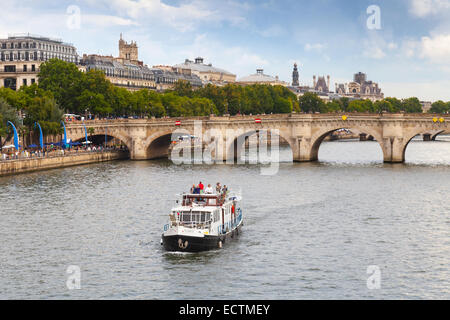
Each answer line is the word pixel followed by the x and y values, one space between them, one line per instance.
pixel 24 82
pixel 10 68
pixel 33 67
pixel 33 80
pixel 24 68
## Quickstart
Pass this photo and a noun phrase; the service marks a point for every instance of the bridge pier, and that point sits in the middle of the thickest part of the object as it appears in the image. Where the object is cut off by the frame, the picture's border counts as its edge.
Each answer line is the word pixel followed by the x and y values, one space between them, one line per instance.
pixel 302 150
pixel 138 150
pixel 393 150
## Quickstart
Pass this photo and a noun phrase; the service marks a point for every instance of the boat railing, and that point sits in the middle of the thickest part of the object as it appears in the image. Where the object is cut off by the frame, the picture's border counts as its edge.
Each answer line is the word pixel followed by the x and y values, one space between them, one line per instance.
pixel 221 229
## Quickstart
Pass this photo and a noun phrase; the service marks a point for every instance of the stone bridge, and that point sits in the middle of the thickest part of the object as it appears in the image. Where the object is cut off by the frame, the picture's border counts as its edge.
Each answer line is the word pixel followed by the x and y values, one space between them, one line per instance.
pixel 150 138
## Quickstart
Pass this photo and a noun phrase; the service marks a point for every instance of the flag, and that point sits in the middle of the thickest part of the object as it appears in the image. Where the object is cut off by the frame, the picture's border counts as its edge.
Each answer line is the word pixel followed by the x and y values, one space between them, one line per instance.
pixel 41 136
pixel 16 136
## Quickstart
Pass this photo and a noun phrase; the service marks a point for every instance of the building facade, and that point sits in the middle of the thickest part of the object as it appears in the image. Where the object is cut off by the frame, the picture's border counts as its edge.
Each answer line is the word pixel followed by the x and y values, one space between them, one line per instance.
pixel 360 88
pixel 206 72
pixel 21 56
pixel 128 72
pixel 320 85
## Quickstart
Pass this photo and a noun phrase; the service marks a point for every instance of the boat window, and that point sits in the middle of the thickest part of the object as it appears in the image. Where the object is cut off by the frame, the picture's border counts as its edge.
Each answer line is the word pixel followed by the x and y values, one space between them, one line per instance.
pixel 212 201
pixel 195 216
pixel 186 217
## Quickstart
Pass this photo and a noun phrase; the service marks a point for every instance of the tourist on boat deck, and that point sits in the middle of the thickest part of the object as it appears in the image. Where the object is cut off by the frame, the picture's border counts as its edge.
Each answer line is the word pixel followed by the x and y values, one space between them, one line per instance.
pixel 209 189
pixel 193 189
pixel 225 190
pixel 218 188
pixel 201 186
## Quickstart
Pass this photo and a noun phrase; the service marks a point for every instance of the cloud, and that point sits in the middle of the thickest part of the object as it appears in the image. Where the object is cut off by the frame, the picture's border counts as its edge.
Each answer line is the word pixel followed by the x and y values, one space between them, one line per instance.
pixel 436 48
pixel 184 17
pixel 318 47
pixel 99 20
pixel 424 8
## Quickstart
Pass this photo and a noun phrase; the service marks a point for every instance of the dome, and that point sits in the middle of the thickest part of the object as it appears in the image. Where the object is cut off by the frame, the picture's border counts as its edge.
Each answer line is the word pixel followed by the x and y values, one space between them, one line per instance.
pixel 259 76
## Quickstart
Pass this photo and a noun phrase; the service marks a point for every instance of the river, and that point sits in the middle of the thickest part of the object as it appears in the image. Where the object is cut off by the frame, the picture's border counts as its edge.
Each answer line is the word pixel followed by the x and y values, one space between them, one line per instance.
pixel 311 231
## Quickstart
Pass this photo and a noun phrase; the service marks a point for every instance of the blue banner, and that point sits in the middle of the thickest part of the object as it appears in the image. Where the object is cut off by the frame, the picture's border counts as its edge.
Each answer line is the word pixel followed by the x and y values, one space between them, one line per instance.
pixel 41 136
pixel 16 136
pixel 85 133
pixel 65 135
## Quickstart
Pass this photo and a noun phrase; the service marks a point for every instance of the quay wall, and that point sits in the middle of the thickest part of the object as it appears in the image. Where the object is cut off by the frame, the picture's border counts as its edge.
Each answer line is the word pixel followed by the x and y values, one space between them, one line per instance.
pixel 35 164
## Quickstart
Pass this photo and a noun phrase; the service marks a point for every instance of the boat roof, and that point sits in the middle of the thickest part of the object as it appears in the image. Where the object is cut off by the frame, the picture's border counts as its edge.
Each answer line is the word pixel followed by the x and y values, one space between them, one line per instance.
pixel 197 208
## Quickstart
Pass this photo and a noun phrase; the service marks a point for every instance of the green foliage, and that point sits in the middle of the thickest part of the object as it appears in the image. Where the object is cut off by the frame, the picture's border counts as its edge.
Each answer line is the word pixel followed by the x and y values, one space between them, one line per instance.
pixel 63 79
pixel 384 106
pixel 311 102
pixel 360 106
pixel 440 107
pixel 7 113
pixel 411 105
pixel 45 111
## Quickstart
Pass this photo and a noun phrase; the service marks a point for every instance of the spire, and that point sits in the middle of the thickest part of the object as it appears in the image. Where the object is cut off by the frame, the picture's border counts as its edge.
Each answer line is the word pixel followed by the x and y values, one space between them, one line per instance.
pixel 295 76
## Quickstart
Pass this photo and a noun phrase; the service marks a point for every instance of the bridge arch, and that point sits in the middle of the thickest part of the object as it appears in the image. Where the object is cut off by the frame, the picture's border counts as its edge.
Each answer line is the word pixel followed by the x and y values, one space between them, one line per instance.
pixel 409 136
pixel 157 145
pixel 318 137
pixel 236 146
pixel 100 133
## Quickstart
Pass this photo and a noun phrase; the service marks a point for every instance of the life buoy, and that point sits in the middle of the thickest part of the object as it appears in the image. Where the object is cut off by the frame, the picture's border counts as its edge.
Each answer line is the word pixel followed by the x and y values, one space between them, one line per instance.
pixel 182 245
pixel 220 244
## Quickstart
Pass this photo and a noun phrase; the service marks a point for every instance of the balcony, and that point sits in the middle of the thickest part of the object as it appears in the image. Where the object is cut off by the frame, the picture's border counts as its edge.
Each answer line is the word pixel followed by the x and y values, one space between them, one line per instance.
pixel 19 71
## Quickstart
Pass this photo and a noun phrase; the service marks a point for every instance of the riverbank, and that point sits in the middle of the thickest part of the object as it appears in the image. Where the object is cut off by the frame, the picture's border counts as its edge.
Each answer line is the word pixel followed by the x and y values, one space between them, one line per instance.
pixel 10 167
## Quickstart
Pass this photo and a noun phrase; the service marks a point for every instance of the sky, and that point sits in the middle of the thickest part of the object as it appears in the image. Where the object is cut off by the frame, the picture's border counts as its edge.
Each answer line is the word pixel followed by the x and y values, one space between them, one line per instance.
pixel 404 45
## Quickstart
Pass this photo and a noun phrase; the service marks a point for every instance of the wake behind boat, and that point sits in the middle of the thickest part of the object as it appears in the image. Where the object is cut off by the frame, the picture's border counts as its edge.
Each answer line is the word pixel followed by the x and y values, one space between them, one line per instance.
pixel 202 221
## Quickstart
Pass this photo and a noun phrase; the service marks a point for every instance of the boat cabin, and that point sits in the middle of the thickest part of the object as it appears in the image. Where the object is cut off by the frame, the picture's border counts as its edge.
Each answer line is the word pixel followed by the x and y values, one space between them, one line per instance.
pixel 203 200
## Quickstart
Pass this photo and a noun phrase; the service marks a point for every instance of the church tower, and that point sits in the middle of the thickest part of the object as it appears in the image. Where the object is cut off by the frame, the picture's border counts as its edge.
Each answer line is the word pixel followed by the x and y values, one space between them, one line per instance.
pixel 128 51
pixel 295 76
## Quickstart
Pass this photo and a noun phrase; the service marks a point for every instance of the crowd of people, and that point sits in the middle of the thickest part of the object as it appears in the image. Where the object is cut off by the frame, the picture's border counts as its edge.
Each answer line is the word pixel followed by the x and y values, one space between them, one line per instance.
pixel 200 189
pixel 53 151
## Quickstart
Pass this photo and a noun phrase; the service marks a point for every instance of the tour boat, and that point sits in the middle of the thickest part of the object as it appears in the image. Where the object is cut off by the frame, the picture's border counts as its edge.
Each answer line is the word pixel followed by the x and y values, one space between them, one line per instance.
pixel 202 222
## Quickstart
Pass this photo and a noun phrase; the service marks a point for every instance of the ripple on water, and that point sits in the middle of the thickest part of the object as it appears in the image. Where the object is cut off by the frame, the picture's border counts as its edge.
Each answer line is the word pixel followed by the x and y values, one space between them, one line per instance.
pixel 310 231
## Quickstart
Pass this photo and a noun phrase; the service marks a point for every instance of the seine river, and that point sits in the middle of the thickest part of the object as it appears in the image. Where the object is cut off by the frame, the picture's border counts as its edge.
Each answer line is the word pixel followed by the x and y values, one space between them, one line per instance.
pixel 311 231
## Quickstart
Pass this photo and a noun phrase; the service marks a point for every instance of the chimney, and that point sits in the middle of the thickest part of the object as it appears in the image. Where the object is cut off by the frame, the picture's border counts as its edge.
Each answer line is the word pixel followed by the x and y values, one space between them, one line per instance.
pixel 314 81
pixel 328 82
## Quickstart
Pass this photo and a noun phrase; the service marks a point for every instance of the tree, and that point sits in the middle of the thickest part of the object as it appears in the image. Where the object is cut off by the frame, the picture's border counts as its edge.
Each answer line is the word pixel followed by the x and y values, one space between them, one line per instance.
pixel 45 111
pixel 360 106
pixel 333 106
pixel 439 107
pixel 7 113
pixel 183 88
pixel 383 106
pixel 344 102
pixel 310 102
pixel 63 79
pixel 412 105
pixel 396 104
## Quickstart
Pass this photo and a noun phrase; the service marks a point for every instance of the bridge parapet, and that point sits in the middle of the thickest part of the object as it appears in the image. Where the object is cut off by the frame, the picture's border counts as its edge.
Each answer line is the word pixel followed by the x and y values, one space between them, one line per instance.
pixel 303 131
